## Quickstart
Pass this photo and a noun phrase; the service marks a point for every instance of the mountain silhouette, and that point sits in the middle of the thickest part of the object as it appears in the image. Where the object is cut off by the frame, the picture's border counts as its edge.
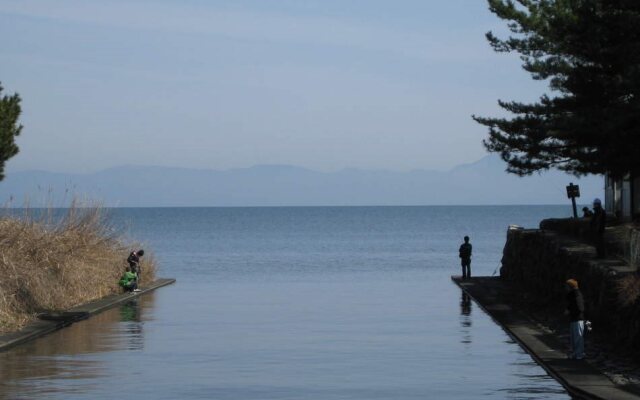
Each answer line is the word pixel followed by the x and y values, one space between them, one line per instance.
pixel 484 182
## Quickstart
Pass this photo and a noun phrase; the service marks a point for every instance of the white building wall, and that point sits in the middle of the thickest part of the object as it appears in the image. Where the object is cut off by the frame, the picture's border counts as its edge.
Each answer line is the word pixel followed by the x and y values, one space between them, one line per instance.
pixel 622 197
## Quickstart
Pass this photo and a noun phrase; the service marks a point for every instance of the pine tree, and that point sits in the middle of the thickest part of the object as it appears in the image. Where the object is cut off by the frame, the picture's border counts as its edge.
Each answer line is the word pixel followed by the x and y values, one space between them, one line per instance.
pixel 9 128
pixel 589 53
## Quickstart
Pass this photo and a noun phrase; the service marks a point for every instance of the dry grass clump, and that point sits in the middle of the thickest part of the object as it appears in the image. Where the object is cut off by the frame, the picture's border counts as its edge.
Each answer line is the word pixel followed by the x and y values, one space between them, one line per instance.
pixel 55 263
pixel 628 290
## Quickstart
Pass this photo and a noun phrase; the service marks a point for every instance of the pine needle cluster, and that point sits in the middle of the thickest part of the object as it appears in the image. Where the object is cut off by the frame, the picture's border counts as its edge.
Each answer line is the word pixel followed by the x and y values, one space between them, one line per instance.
pixel 588 51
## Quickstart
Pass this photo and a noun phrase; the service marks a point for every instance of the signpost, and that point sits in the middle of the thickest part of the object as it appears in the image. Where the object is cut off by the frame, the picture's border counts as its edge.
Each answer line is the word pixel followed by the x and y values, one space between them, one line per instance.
pixel 573 191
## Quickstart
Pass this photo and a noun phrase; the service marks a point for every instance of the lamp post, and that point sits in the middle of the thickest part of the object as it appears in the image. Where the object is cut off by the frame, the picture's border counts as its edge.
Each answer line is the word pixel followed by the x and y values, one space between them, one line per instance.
pixel 573 191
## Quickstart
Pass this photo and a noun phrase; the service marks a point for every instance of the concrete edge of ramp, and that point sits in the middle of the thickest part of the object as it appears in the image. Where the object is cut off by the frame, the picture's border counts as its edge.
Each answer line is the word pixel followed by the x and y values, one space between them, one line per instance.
pixel 578 377
pixel 51 322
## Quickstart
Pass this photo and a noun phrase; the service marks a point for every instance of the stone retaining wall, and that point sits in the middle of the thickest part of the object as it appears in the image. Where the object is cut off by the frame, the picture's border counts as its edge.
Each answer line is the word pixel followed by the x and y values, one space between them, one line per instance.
pixel 540 261
pixel 623 240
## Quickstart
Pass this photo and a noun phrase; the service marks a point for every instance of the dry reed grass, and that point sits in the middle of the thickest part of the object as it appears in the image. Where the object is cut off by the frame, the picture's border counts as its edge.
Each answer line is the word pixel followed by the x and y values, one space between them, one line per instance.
pixel 55 263
pixel 628 290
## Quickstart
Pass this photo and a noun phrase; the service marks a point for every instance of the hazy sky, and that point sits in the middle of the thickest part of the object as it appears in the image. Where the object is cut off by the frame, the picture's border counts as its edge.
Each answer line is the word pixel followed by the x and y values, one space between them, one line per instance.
pixel 324 84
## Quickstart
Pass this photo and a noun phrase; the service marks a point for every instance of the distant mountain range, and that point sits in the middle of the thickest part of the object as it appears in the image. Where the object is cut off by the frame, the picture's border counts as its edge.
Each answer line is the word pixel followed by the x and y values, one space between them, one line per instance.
pixel 483 183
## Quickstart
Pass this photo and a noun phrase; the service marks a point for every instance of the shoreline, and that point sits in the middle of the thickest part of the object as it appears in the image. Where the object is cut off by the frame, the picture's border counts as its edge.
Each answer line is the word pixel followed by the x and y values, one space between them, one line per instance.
pixel 50 322
pixel 579 377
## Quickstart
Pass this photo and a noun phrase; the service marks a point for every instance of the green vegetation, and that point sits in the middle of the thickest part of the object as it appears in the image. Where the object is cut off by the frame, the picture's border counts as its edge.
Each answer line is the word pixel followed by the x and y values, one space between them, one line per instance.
pixel 9 127
pixel 53 264
pixel 589 53
pixel 49 263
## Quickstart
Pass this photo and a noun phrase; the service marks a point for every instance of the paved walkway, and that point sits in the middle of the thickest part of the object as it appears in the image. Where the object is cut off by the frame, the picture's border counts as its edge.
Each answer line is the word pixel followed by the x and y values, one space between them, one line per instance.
pixel 50 322
pixel 579 378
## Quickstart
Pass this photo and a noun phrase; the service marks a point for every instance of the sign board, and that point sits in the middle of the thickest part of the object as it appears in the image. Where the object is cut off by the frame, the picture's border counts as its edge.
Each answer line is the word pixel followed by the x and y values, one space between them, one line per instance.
pixel 573 191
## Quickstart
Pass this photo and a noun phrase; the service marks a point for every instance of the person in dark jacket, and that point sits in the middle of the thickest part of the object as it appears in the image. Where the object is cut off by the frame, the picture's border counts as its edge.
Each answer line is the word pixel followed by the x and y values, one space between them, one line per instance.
pixel 134 262
pixel 465 258
pixel 598 223
pixel 575 311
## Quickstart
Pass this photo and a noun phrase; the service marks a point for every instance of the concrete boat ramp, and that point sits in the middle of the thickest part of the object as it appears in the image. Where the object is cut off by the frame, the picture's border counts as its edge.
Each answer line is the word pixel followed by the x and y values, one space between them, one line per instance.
pixel 578 377
pixel 50 322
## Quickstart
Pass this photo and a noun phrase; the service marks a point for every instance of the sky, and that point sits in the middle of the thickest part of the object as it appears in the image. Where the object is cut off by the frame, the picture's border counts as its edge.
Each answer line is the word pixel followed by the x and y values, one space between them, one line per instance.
pixel 321 84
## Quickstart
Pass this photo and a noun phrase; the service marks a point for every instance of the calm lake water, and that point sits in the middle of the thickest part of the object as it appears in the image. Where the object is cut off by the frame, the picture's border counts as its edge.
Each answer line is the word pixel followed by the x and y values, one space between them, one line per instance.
pixel 296 303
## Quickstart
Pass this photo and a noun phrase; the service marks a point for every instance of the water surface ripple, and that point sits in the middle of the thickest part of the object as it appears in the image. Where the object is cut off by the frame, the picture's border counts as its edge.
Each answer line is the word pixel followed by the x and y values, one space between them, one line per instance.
pixel 292 303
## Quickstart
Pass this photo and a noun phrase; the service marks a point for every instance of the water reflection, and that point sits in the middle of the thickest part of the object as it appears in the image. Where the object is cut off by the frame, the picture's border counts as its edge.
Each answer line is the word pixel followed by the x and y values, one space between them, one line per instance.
pixel 533 378
pixel 465 317
pixel 68 356
pixel 130 316
pixel 465 309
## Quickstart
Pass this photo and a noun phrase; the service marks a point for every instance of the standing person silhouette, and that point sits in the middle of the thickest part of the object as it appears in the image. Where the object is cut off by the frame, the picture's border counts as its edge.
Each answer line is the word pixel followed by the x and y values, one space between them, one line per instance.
pixel 465 258
pixel 575 311
pixel 598 223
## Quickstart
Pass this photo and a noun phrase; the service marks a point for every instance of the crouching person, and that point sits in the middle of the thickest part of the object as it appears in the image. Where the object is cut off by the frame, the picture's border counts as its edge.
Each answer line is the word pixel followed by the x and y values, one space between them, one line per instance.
pixel 129 281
